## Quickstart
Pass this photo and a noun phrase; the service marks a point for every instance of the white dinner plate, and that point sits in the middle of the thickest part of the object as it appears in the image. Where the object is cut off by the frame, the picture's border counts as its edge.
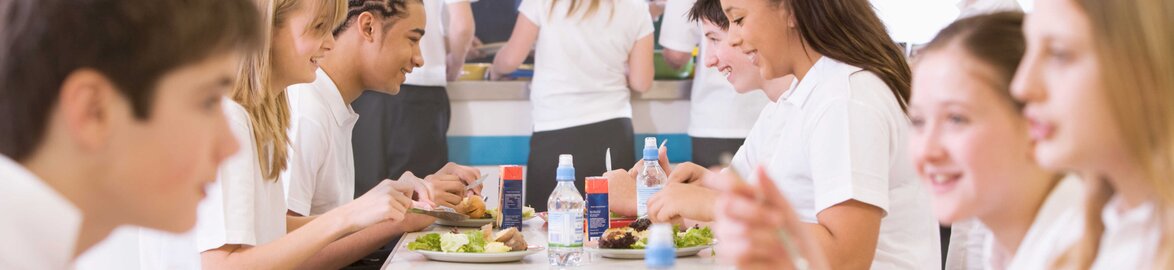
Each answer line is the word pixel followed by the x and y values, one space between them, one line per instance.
pixel 639 253
pixel 511 256
pixel 469 223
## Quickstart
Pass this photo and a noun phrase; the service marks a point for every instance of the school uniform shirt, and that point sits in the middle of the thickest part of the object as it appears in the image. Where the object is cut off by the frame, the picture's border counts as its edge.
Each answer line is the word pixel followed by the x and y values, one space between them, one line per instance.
pixel 715 109
pixel 1050 233
pixel 842 136
pixel 581 62
pixel 321 173
pixel 242 207
pixel 40 227
pixel 432 45
pixel 1130 239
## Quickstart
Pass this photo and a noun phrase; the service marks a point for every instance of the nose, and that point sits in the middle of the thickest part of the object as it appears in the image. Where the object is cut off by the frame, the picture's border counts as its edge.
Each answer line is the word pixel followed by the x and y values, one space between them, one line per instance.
pixel 710 57
pixel 1026 85
pixel 928 146
pixel 328 44
pixel 417 60
pixel 734 37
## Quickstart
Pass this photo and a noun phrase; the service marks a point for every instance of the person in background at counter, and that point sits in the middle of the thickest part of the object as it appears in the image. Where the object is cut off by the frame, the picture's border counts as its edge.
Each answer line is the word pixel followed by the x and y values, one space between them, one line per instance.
pixel 376 37
pixel 694 203
pixel 840 154
pixel 969 145
pixel 589 56
pixel 1099 94
pixel 105 123
pixel 406 132
pixel 719 117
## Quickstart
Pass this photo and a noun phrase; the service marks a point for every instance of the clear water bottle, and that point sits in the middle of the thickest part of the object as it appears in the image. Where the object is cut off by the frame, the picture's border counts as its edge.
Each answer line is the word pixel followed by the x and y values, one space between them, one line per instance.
pixel 566 207
pixel 661 251
pixel 651 178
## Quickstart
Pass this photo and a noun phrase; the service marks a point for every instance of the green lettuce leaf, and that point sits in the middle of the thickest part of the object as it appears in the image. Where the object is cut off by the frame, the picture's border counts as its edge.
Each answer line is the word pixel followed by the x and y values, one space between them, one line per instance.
pixel 429 242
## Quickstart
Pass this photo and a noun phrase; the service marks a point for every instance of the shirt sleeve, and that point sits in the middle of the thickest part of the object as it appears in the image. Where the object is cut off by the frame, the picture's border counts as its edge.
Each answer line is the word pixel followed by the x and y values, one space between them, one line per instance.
pixel 227 216
pixel 850 154
pixel 533 10
pixel 676 31
pixel 307 154
pixel 643 24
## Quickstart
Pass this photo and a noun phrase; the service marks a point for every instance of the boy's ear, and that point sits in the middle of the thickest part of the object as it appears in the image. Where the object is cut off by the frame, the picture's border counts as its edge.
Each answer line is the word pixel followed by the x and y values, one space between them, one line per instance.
pixel 366 24
pixel 85 108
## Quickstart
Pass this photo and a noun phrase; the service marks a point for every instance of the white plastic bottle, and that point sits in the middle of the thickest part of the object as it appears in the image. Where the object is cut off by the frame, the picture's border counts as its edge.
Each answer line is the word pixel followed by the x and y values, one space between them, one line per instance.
pixel 566 206
pixel 661 252
pixel 651 178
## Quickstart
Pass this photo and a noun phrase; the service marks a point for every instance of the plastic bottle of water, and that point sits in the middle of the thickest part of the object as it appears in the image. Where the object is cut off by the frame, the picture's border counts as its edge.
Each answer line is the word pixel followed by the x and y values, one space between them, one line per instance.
pixel 651 179
pixel 660 252
pixel 566 206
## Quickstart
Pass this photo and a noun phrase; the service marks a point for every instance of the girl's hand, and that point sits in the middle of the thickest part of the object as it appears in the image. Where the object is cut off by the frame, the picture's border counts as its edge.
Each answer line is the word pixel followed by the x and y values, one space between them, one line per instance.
pixel 759 229
pixel 678 200
pixel 388 201
pixel 689 172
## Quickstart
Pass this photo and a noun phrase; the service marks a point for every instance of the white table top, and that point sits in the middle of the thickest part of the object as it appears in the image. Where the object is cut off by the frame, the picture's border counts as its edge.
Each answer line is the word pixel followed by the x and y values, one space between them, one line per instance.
pixel 402 258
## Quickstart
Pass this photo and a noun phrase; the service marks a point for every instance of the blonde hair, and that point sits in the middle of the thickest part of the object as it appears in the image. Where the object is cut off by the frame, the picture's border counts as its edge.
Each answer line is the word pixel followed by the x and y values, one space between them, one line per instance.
pixel 592 7
pixel 1135 47
pixel 268 108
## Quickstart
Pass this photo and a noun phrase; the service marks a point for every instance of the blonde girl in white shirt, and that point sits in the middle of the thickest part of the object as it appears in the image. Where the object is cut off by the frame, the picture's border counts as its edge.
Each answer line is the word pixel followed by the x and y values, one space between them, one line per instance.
pixel 1100 101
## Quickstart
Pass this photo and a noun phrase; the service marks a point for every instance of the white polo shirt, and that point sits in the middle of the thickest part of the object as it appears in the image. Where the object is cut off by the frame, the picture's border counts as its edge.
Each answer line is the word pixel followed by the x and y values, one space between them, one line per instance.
pixel 715 109
pixel 842 136
pixel 581 64
pixel 1130 240
pixel 321 172
pixel 40 227
pixel 432 46
pixel 1050 233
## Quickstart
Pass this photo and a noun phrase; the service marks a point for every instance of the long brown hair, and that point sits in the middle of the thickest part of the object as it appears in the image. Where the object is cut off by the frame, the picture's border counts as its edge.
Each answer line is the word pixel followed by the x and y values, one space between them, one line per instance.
pixel 851 32
pixel 1134 45
pixel 268 108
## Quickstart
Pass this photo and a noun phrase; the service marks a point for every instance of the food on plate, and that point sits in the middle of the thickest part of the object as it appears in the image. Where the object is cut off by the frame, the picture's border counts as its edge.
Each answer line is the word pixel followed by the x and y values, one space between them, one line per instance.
pixel 473 205
pixel 635 236
pixel 527 213
pixel 482 241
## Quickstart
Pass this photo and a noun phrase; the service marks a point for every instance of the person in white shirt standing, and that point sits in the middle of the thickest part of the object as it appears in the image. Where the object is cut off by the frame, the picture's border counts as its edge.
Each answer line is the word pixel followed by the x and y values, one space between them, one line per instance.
pixel 589 56
pixel 377 36
pixel 407 131
pixel 1100 101
pixel 841 170
pixel 719 118
pixel 968 144
pixel 105 123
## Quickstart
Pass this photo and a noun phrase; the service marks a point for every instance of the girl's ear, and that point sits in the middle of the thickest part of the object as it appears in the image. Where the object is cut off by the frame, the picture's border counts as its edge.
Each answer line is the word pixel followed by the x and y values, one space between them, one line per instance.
pixel 366 24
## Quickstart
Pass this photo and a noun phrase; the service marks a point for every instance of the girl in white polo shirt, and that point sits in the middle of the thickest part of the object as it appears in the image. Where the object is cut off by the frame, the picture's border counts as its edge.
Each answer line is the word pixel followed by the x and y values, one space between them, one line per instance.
pixel 840 156
pixel 589 55
pixel 1100 101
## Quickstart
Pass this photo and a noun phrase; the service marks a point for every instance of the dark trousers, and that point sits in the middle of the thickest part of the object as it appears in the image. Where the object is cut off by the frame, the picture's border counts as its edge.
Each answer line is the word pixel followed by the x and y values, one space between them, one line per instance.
pixel 588 143
pixel 394 134
pixel 708 152
pixel 400 133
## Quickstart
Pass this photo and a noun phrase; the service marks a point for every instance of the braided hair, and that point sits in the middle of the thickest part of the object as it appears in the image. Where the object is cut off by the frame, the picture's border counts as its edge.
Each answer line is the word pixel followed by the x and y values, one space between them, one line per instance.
pixel 393 9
